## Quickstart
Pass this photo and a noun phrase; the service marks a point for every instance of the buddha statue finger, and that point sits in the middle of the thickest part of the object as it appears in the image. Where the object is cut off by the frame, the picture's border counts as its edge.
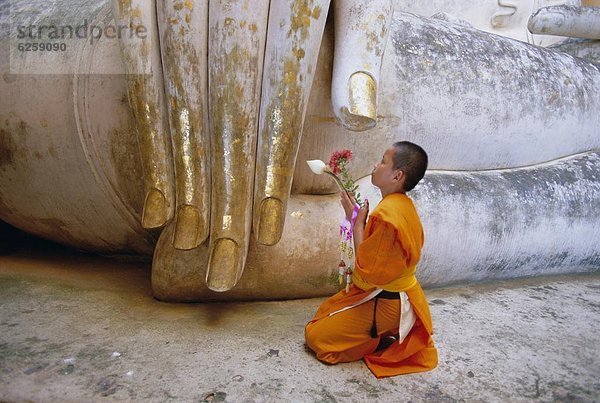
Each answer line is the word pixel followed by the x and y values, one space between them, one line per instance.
pixel 563 20
pixel 294 37
pixel 361 32
pixel 183 42
pixel 237 32
pixel 145 87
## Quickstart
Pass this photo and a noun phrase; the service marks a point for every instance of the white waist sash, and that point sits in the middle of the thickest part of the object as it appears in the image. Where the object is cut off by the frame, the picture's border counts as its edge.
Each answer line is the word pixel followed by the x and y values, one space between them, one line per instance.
pixel 407 314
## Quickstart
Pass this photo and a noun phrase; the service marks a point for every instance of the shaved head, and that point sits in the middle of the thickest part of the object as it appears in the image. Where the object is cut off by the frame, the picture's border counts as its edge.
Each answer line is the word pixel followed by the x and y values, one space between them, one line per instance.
pixel 412 160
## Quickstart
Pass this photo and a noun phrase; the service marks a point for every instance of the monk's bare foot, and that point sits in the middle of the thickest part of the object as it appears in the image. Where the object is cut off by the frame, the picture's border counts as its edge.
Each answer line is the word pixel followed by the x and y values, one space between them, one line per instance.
pixel 385 342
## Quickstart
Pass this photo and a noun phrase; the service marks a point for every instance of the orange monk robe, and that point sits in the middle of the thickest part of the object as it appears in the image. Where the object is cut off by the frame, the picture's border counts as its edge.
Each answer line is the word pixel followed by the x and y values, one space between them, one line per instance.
pixel 386 259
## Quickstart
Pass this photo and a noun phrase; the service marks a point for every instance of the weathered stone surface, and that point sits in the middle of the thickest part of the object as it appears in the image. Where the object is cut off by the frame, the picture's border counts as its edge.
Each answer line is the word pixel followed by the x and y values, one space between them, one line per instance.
pixel 530 221
pixel 506 18
pixel 586 49
pixel 65 316
pixel 477 101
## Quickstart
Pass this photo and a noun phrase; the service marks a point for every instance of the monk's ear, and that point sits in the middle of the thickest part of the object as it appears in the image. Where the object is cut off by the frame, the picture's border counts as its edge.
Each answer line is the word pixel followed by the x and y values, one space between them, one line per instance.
pixel 399 175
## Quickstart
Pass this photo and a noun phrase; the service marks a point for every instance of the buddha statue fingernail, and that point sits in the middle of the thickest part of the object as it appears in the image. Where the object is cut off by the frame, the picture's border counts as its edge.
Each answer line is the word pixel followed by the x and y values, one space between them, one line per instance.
pixel 155 213
pixel 361 113
pixel 187 228
pixel 222 272
pixel 270 221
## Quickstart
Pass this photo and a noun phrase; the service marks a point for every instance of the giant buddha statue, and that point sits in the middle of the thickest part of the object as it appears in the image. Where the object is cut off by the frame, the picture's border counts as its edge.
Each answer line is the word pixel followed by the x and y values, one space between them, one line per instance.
pixel 178 129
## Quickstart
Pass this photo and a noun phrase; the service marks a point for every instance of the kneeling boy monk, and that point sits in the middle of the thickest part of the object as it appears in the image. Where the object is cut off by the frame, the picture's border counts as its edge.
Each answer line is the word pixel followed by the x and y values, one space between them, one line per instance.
pixel 385 299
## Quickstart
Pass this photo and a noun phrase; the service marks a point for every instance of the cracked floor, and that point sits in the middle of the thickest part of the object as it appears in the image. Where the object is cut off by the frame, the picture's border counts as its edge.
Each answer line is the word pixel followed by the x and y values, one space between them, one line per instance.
pixel 76 327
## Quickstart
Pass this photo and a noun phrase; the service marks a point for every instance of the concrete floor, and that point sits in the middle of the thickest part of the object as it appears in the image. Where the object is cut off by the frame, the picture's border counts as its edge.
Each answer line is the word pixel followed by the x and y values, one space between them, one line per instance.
pixel 76 327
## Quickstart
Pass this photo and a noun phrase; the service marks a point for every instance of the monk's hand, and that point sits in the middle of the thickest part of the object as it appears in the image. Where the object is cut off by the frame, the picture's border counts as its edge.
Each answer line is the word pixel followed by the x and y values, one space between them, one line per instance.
pixel 363 212
pixel 348 203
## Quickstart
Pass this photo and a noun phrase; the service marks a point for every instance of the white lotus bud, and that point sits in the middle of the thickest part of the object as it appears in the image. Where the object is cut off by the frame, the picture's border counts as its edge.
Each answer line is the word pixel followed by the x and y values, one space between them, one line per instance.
pixel 317 166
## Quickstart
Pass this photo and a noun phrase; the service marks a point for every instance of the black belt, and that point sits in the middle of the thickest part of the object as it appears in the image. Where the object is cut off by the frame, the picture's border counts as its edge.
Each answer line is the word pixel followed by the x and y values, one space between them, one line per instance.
pixel 388 295
pixel 382 295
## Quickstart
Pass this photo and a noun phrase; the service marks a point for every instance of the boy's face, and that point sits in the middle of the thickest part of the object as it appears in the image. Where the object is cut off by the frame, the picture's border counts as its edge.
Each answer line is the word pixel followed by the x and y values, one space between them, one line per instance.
pixel 383 173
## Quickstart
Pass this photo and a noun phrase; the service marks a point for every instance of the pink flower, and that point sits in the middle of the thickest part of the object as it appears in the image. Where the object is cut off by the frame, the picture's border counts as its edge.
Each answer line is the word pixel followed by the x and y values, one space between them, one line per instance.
pixel 338 160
